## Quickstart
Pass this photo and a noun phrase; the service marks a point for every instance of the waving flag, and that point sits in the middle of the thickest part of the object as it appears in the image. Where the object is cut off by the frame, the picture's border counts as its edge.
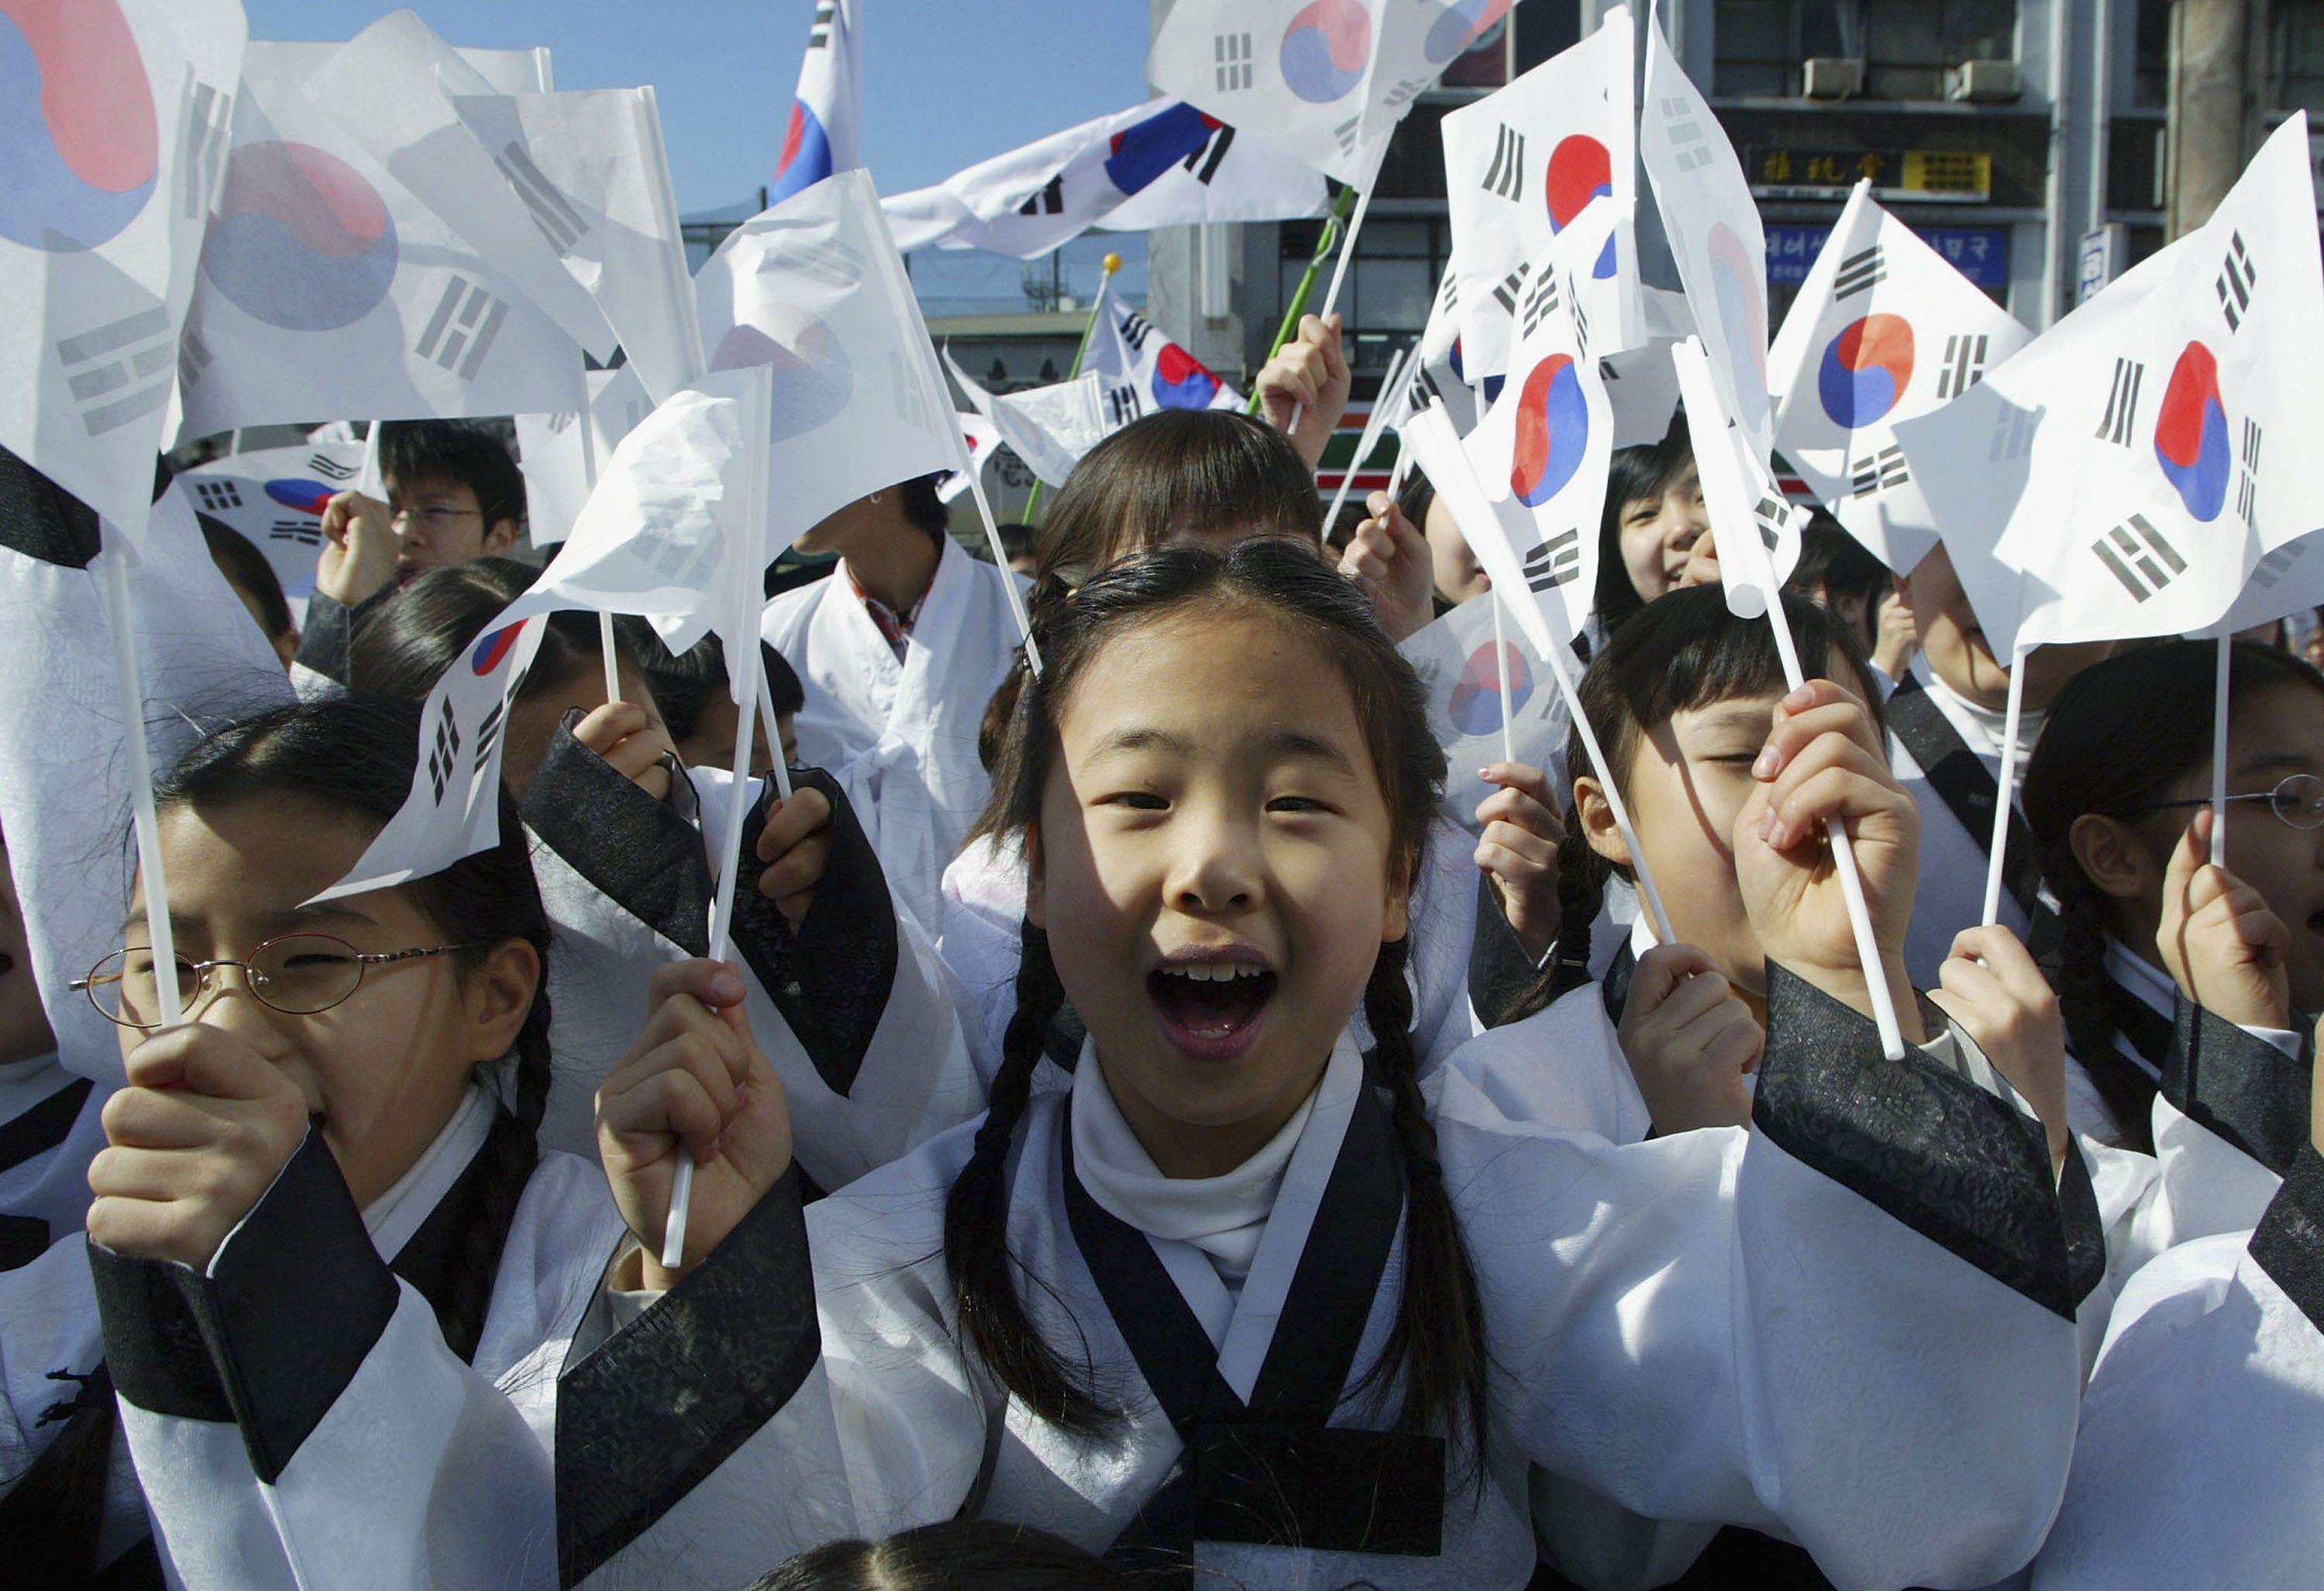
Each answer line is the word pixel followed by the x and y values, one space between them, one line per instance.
pixel 1141 370
pixel 1049 427
pixel 1715 236
pixel 1520 166
pixel 1884 330
pixel 1758 528
pixel 982 439
pixel 1326 80
pixel 326 288
pixel 2134 462
pixel 275 496
pixel 119 116
pixel 814 288
pixel 561 456
pixel 1444 369
pixel 820 137
pixel 1453 656
pixel 1161 163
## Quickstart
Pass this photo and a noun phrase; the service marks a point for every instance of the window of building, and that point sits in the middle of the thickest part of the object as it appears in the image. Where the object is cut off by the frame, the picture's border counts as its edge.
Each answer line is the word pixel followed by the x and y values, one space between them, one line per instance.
pixel 1906 45
pixel 2299 55
pixel 1390 288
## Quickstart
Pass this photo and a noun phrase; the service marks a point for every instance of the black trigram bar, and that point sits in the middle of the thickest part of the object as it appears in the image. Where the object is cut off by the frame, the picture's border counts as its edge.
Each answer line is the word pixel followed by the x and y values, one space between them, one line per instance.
pixel 2012 436
pixel 819 36
pixel 488 732
pixel 831 263
pixel 1506 175
pixel 444 759
pixel 1541 301
pixel 2278 563
pixel 1215 150
pixel 1345 134
pixel 552 211
pixel 2247 487
pixel 1774 517
pixel 1858 271
pixel 1505 295
pixel 305 532
pixel 1230 57
pixel 1555 562
pixel 1049 201
pixel 217 496
pixel 2234 282
pixel 1964 365
pixel 2121 418
pixel 1135 329
pixel 686 564
pixel 208 133
pixel 466 320
pixel 1877 472
pixel 121 371
pixel 1121 404
pixel 1687 146
pixel 330 468
pixel 193 358
pixel 1580 320
pixel 2136 554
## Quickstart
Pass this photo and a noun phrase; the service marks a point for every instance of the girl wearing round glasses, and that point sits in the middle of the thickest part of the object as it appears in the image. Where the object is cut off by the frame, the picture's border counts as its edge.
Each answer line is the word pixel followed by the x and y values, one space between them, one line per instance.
pixel 328 1253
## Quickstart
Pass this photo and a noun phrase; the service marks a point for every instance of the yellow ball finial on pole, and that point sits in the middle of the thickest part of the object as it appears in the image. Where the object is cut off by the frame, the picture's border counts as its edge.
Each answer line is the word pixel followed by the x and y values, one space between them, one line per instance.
pixel 1113 263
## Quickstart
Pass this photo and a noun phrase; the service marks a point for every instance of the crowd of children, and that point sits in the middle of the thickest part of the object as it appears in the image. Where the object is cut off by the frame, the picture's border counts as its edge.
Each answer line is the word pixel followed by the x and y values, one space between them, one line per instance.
pixel 1105 1169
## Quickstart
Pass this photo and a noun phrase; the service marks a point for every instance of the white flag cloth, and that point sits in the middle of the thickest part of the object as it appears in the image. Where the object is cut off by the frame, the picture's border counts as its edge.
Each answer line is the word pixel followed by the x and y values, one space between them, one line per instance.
pixel 820 137
pixel 275 496
pixel 1442 364
pixel 1161 163
pixel 1498 530
pixel 1049 427
pixel 663 535
pixel 391 90
pixel 1715 235
pixel 1884 330
pixel 814 288
pixel 560 458
pixel 1453 656
pixel 120 118
pixel 1141 370
pixel 326 288
pixel 1640 382
pixel 2136 461
pixel 983 439
pixel 1546 444
pixel 1520 165
pixel 1758 527
pixel 2289 580
pixel 1326 80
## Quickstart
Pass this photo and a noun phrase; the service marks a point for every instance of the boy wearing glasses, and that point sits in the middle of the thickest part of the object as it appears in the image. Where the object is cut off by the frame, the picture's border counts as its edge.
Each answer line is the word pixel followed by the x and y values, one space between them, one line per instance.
pixel 454 495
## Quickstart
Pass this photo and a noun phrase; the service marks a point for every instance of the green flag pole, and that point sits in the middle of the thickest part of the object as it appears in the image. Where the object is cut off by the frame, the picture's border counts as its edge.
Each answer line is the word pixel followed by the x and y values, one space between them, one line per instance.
pixel 1298 304
pixel 1113 263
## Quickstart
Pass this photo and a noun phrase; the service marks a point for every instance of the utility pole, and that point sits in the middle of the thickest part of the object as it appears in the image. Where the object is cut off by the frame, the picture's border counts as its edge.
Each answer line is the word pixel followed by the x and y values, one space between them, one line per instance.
pixel 2210 99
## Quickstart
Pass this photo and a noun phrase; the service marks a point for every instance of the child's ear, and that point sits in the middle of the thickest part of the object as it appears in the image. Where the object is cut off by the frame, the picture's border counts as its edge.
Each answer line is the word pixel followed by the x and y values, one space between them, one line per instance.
pixel 500 997
pixel 1397 921
pixel 500 538
pixel 1596 815
pixel 1037 901
pixel 2112 858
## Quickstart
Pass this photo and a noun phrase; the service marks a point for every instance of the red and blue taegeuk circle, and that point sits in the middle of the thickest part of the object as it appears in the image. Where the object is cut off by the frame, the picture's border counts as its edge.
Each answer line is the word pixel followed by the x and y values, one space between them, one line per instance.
pixel 1180 379
pixel 806 159
pixel 300 241
pixel 1325 50
pixel 1476 707
pixel 493 650
pixel 813 378
pixel 1144 150
pixel 307 497
pixel 1579 170
pixel 1552 431
pixel 77 121
pixel 2190 434
pixel 1866 369
pixel 1464 22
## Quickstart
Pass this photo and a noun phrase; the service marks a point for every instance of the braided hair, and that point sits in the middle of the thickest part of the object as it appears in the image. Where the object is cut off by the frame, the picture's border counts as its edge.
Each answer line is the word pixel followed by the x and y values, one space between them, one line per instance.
pixel 1437 1345
pixel 2121 735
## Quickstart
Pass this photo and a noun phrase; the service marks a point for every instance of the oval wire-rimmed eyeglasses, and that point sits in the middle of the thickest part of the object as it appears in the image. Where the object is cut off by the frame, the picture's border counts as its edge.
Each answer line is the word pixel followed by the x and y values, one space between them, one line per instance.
pixel 2297 801
pixel 297 974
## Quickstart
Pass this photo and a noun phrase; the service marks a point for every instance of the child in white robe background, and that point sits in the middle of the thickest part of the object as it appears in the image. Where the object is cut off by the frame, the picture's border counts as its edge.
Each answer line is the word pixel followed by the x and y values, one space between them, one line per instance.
pixel 1101 1314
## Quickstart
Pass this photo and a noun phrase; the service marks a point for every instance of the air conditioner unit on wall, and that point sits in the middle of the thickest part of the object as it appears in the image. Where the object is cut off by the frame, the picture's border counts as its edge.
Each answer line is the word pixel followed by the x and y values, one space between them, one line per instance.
pixel 1831 76
pixel 1983 82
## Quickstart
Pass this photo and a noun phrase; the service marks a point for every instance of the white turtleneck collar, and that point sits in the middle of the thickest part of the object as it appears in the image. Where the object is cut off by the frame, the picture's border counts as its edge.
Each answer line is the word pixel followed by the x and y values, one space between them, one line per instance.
pixel 1224 1217
pixel 1980 728
pixel 397 1214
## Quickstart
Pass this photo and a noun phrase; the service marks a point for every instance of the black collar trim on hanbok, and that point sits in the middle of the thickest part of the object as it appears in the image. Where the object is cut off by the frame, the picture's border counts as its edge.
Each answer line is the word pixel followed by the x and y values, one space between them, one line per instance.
pixel 2289 1242
pixel 1959 777
pixel 2238 1087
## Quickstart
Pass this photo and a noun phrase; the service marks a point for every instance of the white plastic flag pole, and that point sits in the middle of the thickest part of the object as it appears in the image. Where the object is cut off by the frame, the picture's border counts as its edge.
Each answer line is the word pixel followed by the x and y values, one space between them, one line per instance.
pixel 2005 801
pixel 2220 748
pixel 1397 471
pixel 1000 567
pixel 141 785
pixel 1390 392
pixel 1501 663
pixel 774 731
pixel 1561 667
pixel 589 484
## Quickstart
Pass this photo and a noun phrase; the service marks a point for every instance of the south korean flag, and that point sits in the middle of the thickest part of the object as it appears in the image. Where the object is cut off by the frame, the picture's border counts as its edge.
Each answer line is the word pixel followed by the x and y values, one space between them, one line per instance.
pixel 2132 466
pixel 1884 330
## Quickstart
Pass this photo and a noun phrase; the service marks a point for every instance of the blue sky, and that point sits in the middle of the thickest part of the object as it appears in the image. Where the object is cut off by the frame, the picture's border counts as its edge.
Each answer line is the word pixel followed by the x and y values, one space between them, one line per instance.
pixel 945 82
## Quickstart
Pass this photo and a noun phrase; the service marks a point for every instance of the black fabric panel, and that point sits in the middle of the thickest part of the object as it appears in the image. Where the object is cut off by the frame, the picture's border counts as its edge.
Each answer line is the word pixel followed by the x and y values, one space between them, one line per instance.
pixel 1294 1484
pixel 294 1304
pixel 23 1241
pixel 136 1570
pixel 432 1258
pixel 2077 1203
pixel 831 979
pixel 41 519
pixel 1959 776
pixel 633 849
pixel 1614 989
pixel 1957 1165
pixel 646 1415
pixel 44 1127
pixel 2289 1244
pixel 1742 1559
pixel 2238 1087
pixel 154 1344
pixel 1499 970
pixel 2149 1031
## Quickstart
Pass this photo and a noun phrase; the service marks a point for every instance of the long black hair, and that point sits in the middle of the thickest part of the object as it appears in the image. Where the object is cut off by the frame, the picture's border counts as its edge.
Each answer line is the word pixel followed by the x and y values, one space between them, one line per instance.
pixel 1684 651
pixel 406 647
pixel 353 757
pixel 1639 473
pixel 1438 1339
pixel 951 1555
pixel 2120 735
